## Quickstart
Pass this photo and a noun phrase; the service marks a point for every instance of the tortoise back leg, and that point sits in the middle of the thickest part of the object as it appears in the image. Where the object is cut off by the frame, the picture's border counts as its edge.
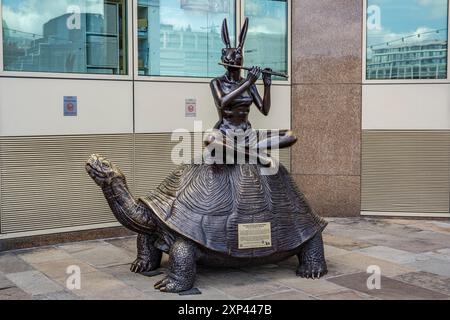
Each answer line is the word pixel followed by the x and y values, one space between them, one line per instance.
pixel 182 268
pixel 149 257
pixel 312 259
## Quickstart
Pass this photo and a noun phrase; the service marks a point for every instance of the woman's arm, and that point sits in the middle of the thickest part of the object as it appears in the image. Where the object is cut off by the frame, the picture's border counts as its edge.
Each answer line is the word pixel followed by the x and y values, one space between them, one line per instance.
pixel 223 100
pixel 263 105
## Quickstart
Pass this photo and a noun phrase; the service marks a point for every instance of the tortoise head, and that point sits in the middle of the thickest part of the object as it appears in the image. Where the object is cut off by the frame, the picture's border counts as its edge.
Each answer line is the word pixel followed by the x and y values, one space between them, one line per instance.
pixel 103 171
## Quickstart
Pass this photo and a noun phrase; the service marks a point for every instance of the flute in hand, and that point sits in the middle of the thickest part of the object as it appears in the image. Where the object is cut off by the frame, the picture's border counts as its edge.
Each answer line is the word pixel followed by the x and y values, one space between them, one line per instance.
pixel 273 73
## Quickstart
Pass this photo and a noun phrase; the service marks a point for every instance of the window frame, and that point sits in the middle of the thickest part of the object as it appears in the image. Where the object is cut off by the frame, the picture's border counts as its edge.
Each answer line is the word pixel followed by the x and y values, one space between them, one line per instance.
pixel 65 75
pixel 132 54
pixel 400 81
pixel 240 17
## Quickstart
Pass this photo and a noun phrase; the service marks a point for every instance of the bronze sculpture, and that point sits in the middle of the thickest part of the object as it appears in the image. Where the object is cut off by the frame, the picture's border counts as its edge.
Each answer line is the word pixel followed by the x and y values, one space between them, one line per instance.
pixel 219 214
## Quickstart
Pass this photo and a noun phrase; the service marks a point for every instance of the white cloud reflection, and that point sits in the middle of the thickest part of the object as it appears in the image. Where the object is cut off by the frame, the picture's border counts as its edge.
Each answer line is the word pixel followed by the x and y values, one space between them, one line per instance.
pixel 30 15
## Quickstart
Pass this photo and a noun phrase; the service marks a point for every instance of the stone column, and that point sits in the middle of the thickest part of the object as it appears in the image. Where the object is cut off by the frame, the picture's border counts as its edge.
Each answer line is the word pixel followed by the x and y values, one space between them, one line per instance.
pixel 327 103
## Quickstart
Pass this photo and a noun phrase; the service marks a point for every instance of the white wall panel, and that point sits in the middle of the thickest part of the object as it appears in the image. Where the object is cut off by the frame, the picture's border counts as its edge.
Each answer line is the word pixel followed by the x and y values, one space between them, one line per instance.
pixel 30 107
pixel 160 107
pixel 406 107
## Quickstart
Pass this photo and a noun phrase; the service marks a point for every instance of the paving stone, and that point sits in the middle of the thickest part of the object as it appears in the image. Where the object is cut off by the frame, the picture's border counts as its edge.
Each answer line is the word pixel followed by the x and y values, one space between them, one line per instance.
pixel 331 251
pixel 58 269
pixel 392 229
pixel 435 255
pixel 362 262
pixel 337 269
pixel 273 272
pixel 343 242
pixel 389 254
pixel 97 284
pixel 312 287
pixel 14 294
pixel 34 282
pixel 287 272
pixel 286 295
pixel 402 221
pixel 61 295
pixel 427 280
pixel 103 255
pixel 44 255
pixel 11 263
pixel 5 282
pixel 405 242
pixel 132 279
pixel 347 295
pixel 209 292
pixel 445 252
pixel 390 288
pixel 242 285
pixel 126 293
pixel 351 245
pixel 344 230
pixel 128 243
pixel 432 265
pixel 345 221
pixel 82 246
pixel 436 227
pixel 436 237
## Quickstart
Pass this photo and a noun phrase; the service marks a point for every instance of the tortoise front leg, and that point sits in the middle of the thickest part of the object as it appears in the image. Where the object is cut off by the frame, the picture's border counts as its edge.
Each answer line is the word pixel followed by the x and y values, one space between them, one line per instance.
pixel 182 268
pixel 149 257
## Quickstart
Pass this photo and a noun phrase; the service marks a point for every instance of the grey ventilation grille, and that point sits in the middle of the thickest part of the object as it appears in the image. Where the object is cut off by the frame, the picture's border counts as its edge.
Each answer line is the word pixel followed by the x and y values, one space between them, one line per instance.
pixel 44 184
pixel 406 171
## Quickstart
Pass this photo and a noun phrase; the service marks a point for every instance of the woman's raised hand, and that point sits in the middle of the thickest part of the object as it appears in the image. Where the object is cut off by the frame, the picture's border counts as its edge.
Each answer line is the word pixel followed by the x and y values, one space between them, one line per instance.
pixel 254 74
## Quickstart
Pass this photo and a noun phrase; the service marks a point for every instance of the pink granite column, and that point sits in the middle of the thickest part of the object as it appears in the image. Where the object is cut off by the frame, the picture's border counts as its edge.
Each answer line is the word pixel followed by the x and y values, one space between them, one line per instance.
pixel 326 94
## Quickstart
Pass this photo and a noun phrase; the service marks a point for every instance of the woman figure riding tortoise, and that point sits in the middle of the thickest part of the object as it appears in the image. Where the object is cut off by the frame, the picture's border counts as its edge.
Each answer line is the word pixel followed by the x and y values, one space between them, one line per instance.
pixel 234 95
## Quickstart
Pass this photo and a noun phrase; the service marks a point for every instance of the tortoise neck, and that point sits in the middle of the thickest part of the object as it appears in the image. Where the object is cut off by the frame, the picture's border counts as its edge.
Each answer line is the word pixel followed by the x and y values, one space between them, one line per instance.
pixel 132 214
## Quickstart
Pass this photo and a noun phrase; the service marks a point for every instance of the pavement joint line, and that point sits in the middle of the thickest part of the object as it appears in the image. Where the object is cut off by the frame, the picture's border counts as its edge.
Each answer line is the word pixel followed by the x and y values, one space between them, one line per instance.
pixel 6 288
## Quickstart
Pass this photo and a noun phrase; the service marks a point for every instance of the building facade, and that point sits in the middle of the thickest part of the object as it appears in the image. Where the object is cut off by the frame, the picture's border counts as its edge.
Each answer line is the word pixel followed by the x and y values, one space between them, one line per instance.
pixel 368 96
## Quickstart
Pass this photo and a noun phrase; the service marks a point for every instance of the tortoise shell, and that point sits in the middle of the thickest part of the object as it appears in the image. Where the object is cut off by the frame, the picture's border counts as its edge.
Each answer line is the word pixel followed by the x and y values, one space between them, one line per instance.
pixel 206 203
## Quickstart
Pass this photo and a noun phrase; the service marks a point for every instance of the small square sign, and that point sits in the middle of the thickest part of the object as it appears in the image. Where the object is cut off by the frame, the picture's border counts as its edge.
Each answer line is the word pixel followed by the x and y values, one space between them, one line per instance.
pixel 191 108
pixel 70 106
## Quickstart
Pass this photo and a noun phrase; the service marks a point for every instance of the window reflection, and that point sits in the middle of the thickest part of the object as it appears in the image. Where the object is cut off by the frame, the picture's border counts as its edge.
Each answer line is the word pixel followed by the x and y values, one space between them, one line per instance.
pixel 267 40
pixel 182 37
pixel 71 36
pixel 407 39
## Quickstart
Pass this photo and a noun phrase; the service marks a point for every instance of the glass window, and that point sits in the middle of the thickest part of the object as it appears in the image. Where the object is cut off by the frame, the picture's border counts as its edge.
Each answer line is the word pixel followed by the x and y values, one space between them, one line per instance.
pixel 415 30
pixel 69 36
pixel 267 40
pixel 182 37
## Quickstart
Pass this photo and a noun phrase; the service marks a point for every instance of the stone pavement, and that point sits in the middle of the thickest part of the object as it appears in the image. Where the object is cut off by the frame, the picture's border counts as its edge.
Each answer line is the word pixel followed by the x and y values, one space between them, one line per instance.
pixel 413 256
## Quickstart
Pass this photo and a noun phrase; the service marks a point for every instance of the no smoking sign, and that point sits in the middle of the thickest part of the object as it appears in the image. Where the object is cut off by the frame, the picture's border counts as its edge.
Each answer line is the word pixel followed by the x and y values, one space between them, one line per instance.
pixel 70 106
pixel 191 108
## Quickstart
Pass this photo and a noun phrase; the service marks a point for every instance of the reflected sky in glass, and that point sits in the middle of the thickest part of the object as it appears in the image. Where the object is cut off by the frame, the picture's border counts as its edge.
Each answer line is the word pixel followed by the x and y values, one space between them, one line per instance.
pixel 29 16
pixel 399 19
pixel 267 42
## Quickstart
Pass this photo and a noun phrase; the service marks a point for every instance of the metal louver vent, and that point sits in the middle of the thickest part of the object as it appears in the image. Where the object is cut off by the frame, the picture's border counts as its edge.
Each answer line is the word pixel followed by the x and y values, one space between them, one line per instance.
pixel 406 171
pixel 44 184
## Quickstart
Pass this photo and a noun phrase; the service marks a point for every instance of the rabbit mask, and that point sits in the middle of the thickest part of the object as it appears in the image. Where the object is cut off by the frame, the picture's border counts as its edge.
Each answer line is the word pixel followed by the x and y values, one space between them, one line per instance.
pixel 231 55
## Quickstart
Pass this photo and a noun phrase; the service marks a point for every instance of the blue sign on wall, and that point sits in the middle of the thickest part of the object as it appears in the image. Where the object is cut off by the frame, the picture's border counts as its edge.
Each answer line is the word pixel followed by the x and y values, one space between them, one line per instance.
pixel 70 106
